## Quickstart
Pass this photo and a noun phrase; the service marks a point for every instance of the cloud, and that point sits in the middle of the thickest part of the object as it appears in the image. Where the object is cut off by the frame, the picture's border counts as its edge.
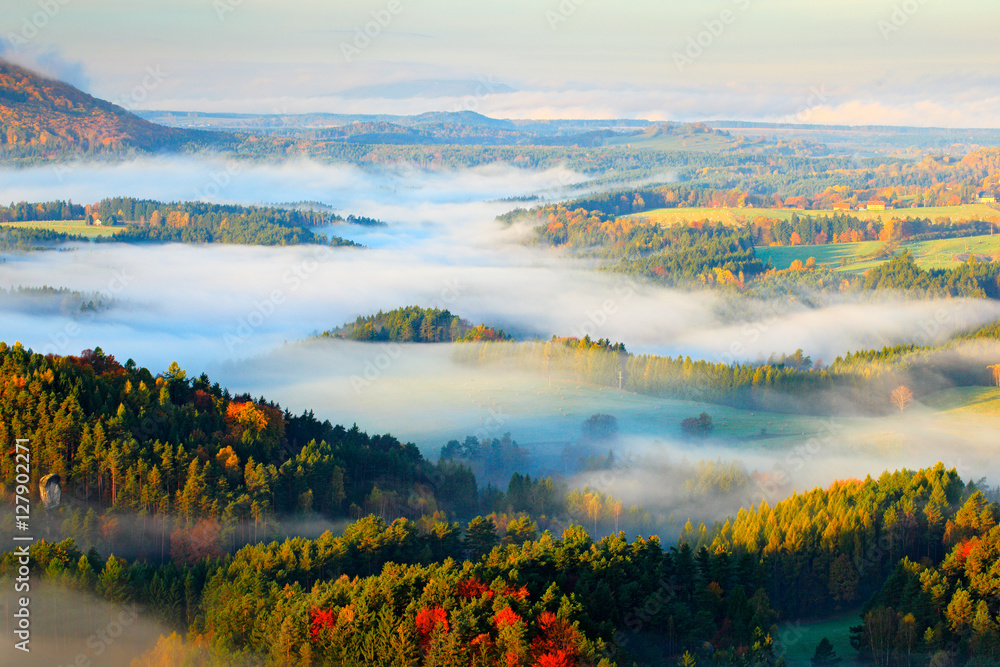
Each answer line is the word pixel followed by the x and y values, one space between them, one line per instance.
pixel 48 60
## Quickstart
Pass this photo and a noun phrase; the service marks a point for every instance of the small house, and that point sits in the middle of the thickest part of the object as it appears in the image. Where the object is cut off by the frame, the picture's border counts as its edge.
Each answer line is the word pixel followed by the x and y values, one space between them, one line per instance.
pixel 875 205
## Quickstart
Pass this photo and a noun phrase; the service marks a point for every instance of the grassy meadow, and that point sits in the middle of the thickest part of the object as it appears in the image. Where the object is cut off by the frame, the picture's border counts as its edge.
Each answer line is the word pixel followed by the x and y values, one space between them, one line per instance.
pixel 853 257
pixel 737 216
pixel 79 227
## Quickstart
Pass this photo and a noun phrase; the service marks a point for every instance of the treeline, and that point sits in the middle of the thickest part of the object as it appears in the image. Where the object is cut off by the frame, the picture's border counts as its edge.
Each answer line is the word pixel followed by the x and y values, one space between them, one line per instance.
pixel 200 222
pixel 846 228
pixel 179 214
pixel 828 548
pixel 65 300
pixel 901 273
pixel 781 182
pixel 25 239
pixel 702 253
pixel 672 255
pixel 414 324
pixel 786 383
pixel 173 451
pixel 51 210
pixel 145 459
pixel 141 449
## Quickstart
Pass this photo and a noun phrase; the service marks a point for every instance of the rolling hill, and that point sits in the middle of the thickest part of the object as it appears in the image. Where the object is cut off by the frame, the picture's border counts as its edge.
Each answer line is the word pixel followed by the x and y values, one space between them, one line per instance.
pixel 42 116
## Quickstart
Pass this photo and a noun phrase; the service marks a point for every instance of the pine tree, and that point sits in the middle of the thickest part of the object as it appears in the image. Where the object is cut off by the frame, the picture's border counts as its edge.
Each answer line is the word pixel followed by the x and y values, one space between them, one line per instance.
pixel 825 654
pixel 112 583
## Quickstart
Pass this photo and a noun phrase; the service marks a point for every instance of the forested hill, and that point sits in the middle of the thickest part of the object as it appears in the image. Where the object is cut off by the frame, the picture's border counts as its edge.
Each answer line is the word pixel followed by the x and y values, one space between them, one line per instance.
pixel 40 115
pixel 414 324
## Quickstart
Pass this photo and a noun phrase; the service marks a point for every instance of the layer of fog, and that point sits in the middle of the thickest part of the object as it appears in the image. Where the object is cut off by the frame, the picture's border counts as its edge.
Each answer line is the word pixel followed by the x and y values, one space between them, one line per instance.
pixel 74 628
pixel 213 178
pixel 656 473
pixel 230 310
pixel 204 304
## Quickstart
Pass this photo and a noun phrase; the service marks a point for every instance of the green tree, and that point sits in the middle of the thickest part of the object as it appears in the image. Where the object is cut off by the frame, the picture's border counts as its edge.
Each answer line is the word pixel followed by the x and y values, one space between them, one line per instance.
pixel 480 537
pixel 112 583
pixel 825 654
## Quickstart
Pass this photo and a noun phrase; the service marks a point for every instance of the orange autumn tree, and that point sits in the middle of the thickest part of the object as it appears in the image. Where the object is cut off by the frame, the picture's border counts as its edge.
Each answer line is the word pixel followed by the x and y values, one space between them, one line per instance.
pixel 431 622
pixel 253 429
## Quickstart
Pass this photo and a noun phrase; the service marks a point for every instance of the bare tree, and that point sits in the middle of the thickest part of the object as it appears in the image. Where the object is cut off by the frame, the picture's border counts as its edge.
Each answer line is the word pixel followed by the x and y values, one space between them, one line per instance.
pixel 901 397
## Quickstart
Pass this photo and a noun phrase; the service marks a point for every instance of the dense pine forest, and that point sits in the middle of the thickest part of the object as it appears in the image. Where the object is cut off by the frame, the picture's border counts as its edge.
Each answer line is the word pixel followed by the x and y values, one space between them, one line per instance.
pixel 25 239
pixel 189 483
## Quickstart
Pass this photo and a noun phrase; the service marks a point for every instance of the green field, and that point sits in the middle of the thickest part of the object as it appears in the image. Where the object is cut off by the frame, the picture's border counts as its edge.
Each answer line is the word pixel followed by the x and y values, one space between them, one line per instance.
pixel 966 401
pixel 937 254
pixel 734 216
pixel 832 253
pixel 67 227
pixel 799 638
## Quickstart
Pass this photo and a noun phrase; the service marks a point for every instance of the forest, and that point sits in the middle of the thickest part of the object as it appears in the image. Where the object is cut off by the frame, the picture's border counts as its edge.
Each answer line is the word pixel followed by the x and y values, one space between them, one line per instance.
pixel 413 324
pixel 150 221
pixel 703 253
pixel 26 239
pixel 187 483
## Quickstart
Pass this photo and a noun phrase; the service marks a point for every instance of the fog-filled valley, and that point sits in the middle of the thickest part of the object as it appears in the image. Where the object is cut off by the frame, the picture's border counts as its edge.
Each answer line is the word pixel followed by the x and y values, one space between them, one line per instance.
pixel 243 314
pixel 289 377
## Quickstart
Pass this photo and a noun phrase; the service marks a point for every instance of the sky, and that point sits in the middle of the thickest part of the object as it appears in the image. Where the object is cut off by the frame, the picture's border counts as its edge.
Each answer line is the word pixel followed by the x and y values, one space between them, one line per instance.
pixel 900 62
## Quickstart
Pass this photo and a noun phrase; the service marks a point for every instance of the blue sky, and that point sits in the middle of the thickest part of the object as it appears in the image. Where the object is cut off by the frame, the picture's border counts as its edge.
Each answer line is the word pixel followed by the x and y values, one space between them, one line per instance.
pixel 915 62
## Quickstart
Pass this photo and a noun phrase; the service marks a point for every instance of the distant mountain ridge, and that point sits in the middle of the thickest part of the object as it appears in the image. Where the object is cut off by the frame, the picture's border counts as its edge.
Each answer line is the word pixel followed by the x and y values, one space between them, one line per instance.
pixel 38 114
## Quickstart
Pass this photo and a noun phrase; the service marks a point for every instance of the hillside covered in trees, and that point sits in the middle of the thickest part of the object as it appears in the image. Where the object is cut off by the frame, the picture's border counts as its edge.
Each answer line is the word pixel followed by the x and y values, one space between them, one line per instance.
pixel 39 116
pixel 414 324
pixel 150 221
pixel 703 253
pixel 176 474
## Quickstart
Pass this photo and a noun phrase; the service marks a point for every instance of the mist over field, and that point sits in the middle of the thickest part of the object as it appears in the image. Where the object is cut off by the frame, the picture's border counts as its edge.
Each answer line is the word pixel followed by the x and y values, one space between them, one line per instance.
pixel 242 314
